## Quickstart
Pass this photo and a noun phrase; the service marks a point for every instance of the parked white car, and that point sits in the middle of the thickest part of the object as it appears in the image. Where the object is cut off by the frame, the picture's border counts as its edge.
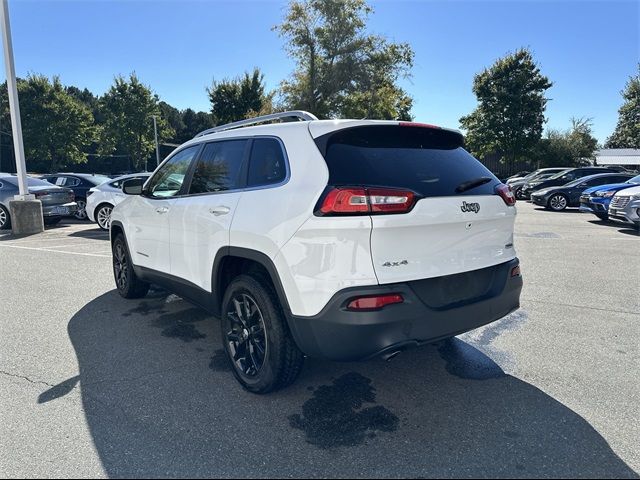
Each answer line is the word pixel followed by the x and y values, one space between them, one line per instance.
pixel 625 206
pixel 102 199
pixel 342 239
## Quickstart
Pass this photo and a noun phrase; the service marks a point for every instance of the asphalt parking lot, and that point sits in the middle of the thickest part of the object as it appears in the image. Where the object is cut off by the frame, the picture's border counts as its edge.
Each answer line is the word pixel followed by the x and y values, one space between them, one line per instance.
pixel 92 385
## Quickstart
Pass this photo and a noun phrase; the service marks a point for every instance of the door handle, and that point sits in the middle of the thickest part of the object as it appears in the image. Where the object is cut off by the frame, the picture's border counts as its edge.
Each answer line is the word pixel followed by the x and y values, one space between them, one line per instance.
pixel 219 210
pixel 162 210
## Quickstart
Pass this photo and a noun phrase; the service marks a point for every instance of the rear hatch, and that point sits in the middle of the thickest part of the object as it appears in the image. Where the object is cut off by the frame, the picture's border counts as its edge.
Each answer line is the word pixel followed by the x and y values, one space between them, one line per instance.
pixel 435 210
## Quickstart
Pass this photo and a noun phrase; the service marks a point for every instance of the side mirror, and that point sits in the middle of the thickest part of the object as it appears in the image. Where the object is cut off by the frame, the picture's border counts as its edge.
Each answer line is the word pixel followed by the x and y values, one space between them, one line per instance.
pixel 133 186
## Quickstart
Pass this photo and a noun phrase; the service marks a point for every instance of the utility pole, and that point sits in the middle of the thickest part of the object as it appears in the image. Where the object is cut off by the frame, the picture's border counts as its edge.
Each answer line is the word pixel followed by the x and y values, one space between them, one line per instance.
pixel 26 211
pixel 155 133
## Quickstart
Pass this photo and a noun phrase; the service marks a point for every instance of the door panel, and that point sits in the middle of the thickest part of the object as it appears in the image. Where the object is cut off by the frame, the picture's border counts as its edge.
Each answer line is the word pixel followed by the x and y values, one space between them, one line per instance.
pixel 199 227
pixel 148 234
pixel 200 222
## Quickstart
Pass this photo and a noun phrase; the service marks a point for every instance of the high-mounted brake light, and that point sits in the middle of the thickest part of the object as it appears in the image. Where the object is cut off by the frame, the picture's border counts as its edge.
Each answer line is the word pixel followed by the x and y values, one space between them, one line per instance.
pixel 507 194
pixel 417 124
pixel 374 302
pixel 365 200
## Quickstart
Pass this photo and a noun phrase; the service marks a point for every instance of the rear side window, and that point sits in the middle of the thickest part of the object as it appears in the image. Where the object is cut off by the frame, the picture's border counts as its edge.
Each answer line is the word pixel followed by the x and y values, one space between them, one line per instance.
pixel 266 163
pixel 431 162
pixel 219 167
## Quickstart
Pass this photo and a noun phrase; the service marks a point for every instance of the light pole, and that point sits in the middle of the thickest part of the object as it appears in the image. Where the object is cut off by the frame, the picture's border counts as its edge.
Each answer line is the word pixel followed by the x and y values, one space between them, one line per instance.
pixel 155 133
pixel 26 211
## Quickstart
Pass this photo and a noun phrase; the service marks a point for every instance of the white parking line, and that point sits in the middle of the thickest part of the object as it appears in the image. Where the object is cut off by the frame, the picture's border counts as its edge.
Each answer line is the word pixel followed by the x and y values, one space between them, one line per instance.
pixel 56 251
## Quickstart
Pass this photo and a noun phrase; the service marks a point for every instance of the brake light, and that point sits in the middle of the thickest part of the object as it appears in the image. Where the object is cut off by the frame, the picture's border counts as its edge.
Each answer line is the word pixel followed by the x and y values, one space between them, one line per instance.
pixel 366 200
pixel 374 302
pixel 507 194
pixel 346 200
pixel 416 124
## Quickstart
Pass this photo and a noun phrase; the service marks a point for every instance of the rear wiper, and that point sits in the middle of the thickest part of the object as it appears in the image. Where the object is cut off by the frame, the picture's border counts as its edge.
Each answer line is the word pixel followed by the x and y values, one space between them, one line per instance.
pixel 464 186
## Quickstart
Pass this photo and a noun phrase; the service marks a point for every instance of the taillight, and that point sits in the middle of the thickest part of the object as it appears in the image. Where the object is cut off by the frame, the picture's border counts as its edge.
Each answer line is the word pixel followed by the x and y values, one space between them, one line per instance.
pixel 365 200
pixel 72 196
pixel 507 194
pixel 374 302
pixel 40 194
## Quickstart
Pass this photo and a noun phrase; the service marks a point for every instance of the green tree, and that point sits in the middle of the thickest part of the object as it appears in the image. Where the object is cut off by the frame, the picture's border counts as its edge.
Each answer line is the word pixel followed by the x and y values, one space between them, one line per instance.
pixel 573 147
pixel 194 123
pixel 127 109
pixel 57 127
pixel 173 117
pixel 511 103
pixel 627 132
pixel 343 71
pixel 239 98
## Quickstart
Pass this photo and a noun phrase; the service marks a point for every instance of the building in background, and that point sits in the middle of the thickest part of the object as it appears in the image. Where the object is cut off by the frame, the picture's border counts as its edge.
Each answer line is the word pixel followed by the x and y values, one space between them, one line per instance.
pixel 626 157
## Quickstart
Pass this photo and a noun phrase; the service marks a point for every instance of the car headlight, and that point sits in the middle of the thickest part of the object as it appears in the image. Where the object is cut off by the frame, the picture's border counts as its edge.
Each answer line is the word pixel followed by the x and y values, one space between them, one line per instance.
pixel 604 194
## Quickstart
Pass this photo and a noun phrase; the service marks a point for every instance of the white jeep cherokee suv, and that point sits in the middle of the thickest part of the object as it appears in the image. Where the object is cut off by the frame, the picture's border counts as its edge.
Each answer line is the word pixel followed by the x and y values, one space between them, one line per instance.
pixel 342 239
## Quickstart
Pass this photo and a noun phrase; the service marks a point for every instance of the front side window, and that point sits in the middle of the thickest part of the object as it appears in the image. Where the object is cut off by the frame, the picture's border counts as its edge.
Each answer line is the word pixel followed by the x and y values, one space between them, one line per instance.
pixel 168 181
pixel 266 164
pixel 219 167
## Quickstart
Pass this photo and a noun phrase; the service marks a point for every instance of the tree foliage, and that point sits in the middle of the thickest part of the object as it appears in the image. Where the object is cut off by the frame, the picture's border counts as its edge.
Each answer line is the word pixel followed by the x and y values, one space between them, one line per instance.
pixel 127 109
pixel 239 98
pixel 627 132
pixel 57 127
pixel 343 71
pixel 573 147
pixel 509 117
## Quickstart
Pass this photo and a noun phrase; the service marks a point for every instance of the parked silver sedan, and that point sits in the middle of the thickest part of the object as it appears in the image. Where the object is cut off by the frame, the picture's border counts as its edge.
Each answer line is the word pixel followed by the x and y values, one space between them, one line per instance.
pixel 57 202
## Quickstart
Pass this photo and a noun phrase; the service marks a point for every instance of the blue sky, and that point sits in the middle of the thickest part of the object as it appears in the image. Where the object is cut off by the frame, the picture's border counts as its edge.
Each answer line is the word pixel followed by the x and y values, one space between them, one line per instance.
pixel 587 48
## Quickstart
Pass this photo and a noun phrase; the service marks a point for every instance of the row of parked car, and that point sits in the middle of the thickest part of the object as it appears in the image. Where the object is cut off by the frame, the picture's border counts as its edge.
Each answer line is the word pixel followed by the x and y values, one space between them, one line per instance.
pixel 608 192
pixel 83 196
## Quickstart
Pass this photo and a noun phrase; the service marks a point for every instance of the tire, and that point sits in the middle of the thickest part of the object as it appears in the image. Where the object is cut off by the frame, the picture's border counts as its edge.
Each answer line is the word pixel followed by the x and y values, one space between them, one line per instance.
pixel 81 214
pixel 518 194
pixel 103 216
pixel 5 218
pixel 255 334
pixel 127 282
pixel 557 202
pixel 52 221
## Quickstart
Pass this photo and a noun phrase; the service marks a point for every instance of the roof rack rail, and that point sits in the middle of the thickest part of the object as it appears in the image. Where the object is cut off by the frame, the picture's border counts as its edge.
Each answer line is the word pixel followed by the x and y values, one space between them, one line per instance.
pixel 293 114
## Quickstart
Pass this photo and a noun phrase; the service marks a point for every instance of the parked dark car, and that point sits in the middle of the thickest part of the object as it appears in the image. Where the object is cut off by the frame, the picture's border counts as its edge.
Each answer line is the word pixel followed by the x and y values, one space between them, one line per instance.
pixel 80 183
pixel 559 198
pixel 57 202
pixel 516 184
pixel 562 178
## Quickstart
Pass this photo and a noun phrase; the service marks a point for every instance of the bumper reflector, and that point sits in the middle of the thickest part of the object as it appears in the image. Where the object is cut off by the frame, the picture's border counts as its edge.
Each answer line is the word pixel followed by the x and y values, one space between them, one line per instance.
pixel 515 271
pixel 375 302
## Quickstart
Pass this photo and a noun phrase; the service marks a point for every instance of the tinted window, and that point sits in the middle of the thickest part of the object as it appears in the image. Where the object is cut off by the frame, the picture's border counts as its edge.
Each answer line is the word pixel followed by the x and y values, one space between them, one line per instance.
pixel 31 182
pixel 266 164
pixel 219 167
pixel 97 179
pixel 428 161
pixel 168 181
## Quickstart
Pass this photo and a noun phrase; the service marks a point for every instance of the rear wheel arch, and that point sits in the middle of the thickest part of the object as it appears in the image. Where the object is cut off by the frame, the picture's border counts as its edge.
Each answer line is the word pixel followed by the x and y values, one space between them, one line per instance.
pixel 230 262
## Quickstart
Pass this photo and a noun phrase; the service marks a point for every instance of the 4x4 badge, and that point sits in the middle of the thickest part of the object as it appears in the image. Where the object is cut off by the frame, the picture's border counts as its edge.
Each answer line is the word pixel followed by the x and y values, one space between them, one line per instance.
pixel 470 207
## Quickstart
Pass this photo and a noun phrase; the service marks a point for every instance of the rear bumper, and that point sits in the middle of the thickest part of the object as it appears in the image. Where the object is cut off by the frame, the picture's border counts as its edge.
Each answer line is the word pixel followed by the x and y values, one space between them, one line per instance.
pixel 339 334
pixel 64 210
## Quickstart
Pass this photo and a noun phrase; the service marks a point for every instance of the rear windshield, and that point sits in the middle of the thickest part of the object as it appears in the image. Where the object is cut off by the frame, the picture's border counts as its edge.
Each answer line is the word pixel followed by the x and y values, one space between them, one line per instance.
pixel 31 182
pixel 431 162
